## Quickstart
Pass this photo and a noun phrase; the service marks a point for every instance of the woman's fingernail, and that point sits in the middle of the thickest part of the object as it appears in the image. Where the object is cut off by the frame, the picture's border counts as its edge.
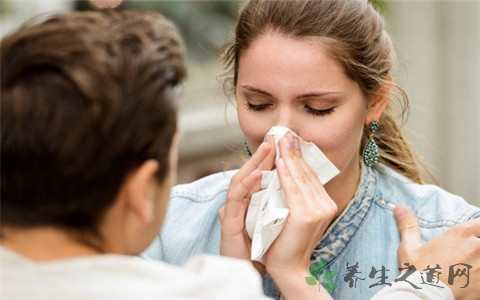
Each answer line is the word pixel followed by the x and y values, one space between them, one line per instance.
pixel 289 141
pixel 254 173
pixel 293 142
pixel 296 143
pixel 399 213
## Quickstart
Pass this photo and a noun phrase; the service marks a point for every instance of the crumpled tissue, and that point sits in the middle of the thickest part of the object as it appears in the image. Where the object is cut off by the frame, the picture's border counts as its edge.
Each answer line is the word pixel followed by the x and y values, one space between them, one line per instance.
pixel 268 210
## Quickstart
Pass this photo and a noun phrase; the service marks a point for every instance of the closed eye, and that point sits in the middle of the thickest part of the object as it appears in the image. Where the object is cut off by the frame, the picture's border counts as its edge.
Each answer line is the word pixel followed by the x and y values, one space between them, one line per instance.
pixel 256 107
pixel 319 112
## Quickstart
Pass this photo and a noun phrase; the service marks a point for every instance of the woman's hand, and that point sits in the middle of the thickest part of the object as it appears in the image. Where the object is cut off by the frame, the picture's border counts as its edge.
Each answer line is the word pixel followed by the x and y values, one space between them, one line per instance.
pixel 235 241
pixel 311 212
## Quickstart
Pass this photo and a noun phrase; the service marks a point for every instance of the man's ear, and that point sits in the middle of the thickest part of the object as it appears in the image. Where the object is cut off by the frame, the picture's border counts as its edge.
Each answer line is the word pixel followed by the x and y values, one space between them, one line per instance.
pixel 378 104
pixel 139 189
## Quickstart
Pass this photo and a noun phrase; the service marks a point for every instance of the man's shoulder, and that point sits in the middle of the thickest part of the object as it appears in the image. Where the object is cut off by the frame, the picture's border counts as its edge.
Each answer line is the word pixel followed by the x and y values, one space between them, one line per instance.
pixel 432 205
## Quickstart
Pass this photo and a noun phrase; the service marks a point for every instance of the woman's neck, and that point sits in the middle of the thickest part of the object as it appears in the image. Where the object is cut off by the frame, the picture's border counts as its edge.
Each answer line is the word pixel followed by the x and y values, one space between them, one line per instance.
pixel 44 243
pixel 342 187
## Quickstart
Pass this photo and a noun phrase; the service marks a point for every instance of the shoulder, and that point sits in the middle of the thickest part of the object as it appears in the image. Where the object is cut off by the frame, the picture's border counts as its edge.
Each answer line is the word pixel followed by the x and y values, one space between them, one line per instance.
pixel 205 276
pixel 129 277
pixel 192 226
pixel 218 276
pixel 205 189
pixel 220 268
pixel 433 206
pixel 201 197
pixel 237 278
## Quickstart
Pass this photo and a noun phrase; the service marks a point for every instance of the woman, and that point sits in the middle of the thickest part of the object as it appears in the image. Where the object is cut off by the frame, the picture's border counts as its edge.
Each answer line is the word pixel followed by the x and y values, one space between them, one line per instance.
pixel 324 70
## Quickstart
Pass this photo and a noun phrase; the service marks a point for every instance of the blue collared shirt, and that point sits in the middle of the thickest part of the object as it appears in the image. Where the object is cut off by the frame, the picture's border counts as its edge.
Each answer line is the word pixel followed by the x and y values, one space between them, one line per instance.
pixel 361 245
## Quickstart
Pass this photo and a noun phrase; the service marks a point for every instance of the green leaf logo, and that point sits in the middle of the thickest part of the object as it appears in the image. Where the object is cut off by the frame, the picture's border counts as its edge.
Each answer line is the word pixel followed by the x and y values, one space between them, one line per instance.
pixel 315 270
pixel 329 275
pixel 326 280
pixel 311 281
pixel 330 286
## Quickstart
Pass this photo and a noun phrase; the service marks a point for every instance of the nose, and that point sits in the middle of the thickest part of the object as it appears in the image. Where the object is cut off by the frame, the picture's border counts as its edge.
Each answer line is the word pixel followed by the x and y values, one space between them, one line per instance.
pixel 286 118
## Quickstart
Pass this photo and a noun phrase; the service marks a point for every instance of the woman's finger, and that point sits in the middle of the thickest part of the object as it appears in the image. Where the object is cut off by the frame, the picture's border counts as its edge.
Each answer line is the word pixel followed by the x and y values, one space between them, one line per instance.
pixel 237 197
pixel 303 176
pixel 251 165
pixel 268 162
pixel 254 162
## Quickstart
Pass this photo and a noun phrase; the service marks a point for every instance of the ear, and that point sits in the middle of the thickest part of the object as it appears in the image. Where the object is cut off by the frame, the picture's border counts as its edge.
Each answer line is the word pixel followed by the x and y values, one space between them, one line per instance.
pixel 139 190
pixel 378 104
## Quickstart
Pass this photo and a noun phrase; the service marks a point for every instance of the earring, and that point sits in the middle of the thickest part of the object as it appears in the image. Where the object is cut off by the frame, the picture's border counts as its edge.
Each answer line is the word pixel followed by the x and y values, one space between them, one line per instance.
pixel 370 154
pixel 246 148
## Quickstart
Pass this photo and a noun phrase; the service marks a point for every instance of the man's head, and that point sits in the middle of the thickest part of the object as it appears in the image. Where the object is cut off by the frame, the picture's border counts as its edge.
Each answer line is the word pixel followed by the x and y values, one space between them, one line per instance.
pixel 87 99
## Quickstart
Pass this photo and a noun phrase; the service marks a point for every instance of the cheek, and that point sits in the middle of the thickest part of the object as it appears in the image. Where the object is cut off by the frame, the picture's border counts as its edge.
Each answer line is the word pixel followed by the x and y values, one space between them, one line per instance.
pixel 340 143
pixel 254 128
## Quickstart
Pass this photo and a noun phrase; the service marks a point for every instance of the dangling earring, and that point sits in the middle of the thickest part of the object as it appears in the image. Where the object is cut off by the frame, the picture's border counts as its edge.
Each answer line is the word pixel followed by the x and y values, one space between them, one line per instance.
pixel 246 148
pixel 370 154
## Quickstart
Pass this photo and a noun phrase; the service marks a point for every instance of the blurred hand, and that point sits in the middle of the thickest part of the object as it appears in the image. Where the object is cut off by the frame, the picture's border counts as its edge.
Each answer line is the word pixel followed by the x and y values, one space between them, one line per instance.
pixel 459 244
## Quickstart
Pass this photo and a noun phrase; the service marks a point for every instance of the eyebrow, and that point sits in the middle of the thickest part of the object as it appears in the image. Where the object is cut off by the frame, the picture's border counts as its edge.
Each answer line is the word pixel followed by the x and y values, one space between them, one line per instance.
pixel 306 95
pixel 256 90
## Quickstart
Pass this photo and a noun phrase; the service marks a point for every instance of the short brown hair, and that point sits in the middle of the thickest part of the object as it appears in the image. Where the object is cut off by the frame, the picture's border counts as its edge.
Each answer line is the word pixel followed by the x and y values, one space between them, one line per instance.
pixel 86 98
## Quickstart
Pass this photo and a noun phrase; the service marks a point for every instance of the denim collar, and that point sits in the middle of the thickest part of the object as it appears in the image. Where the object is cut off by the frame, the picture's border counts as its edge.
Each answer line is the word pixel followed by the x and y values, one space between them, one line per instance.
pixel 341 232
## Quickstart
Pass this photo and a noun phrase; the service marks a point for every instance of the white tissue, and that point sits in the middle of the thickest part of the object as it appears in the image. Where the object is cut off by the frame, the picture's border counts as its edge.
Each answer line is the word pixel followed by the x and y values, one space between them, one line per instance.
pixel 268 208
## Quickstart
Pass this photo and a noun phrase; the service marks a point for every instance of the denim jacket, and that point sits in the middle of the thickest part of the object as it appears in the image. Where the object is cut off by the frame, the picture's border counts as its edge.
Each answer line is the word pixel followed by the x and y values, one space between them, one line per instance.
pixel 361 245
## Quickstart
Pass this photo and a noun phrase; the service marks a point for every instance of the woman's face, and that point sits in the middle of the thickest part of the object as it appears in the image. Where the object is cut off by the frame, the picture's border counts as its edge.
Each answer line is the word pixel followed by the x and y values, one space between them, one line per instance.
pixel 294 83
